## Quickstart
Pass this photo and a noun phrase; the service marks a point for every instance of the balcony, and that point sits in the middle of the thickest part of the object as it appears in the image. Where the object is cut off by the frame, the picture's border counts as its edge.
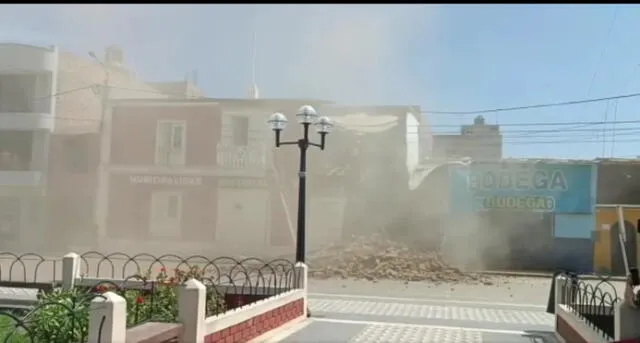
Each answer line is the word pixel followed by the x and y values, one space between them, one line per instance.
pixel 21 178
pixel 27 58
pixel 241 157
pixel 26 102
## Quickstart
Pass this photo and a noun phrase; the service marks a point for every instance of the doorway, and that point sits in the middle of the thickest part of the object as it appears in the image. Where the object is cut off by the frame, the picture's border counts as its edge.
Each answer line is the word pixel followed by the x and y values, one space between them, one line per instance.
pixel 617 262
pixel 522 240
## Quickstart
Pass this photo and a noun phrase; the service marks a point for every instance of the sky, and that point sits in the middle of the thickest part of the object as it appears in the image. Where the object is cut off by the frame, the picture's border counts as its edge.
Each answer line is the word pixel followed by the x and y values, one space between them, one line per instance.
pixel 439 57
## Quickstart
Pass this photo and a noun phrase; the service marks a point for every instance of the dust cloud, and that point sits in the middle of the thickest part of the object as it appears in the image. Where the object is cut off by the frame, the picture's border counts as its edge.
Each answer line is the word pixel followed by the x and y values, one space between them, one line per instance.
pixel 351 54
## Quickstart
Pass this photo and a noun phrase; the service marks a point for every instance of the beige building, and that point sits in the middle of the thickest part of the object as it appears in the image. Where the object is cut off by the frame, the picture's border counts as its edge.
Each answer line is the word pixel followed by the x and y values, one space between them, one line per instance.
pixel 479 142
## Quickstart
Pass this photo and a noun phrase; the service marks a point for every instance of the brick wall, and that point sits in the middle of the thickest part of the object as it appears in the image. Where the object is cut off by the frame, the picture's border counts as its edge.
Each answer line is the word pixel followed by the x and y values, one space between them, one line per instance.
pixel 258 325
pixel 567 332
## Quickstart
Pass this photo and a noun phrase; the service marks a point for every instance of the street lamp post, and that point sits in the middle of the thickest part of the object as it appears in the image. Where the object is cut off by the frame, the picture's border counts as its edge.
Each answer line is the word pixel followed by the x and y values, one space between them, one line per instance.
pixel 307 116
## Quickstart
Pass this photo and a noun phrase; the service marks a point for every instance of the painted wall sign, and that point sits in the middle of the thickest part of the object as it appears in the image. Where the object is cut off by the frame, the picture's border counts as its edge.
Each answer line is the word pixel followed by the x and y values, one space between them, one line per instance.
pixel 520 180
pixel 544 187
pixel 242 183
pixel 532 203
pixel 166 180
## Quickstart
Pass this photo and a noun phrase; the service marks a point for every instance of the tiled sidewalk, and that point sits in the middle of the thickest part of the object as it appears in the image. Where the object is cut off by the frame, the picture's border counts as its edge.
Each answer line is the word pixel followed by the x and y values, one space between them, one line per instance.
pixel 354 320
pixel 330 331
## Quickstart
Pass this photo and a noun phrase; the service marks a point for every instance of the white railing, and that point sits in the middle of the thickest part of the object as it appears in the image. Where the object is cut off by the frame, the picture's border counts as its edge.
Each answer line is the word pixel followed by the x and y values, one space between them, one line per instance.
pixel 241 157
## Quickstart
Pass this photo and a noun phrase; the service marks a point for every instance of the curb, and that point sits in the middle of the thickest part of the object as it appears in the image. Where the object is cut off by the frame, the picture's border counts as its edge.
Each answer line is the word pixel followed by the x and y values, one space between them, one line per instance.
pixel 549 275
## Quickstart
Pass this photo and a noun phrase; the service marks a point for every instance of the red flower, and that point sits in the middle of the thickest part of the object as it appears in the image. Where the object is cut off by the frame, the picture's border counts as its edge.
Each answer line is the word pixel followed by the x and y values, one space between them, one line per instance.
pixel 163 270
pixel 140 300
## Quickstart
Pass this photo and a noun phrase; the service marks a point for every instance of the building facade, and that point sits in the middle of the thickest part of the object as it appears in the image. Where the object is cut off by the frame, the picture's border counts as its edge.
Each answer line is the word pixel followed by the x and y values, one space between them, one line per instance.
pixel 531 215
pixel 157 179
pixel 28 86
pixel 74 153
pixel 194 176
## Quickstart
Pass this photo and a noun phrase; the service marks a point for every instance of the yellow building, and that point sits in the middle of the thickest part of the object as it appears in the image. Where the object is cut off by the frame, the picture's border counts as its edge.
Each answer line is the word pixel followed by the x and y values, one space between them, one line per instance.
pixel 607 255
pixel 618 184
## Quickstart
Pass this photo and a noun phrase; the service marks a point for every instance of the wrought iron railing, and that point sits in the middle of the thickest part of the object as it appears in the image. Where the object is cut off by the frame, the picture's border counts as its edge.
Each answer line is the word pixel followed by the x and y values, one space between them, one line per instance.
pixel 594 301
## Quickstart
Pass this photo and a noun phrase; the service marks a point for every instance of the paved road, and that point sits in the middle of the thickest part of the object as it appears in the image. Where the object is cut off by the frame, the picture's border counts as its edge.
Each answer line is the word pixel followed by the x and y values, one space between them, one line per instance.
pixel 511 309
pixel 504 289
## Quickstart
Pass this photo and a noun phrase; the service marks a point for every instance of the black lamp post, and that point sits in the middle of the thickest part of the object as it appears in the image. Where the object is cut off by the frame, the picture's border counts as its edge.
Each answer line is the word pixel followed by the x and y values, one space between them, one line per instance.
pixel 307 116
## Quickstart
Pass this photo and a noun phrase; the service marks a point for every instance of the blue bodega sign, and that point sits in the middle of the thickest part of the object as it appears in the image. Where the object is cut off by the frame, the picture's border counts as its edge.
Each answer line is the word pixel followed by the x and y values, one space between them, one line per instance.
pixel 546 187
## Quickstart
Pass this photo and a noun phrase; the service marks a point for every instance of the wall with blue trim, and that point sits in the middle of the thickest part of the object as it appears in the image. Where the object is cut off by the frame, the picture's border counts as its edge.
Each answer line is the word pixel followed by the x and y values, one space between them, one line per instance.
pixel 565 190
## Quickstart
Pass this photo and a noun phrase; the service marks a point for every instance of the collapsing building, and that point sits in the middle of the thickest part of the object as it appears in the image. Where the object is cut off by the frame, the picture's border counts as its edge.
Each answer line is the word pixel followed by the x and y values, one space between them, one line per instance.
pixel 358 185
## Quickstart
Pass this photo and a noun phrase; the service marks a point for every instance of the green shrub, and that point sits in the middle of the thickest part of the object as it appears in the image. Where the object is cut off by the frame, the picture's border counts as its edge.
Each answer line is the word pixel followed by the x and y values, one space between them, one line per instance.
pixel 62 316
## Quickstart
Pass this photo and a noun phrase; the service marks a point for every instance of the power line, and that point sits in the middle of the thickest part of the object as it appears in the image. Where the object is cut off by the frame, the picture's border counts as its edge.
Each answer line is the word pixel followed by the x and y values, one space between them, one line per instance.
pixel 615 113
pixel 595 74
pixel 528 107
pixel 560 131
pixel 478 143
pixel 603 51
pixel 533 124
pixel 481 111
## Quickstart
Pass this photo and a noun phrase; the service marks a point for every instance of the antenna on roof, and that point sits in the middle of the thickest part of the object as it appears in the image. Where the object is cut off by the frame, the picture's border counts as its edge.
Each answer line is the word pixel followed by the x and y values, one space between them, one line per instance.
pixel 253 92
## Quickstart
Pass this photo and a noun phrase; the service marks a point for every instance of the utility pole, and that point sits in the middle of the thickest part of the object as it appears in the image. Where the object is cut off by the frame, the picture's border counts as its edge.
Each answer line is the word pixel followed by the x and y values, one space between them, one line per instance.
pixel 105 89
pixel 105 95
pixel 104 107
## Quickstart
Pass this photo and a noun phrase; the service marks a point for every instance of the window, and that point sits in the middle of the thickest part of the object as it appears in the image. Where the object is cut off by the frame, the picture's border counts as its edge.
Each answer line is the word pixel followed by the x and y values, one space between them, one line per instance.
pixel 15 150
pixel 240 126
pixel 76 151
pixel 171 142
pixel 165 214
pixel 9 217
pixel 18 93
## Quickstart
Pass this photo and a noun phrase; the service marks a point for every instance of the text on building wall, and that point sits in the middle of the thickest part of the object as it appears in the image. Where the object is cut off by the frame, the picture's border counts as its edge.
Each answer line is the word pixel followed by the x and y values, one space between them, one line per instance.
pixel 552 180
pixel 166 180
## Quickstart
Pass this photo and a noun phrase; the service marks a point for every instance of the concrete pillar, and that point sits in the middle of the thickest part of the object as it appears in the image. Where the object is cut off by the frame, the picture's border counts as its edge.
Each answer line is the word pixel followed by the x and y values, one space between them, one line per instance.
pixel 301 276
pixel 626 322
pixel 70 270
pixel 40 152
pixel 301 281
pixel 560 290
pixel 108 319
pixel 191 311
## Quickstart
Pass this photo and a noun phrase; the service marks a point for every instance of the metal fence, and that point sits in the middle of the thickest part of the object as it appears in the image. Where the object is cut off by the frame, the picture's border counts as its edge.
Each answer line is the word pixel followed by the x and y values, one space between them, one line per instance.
pixel 59 317
pixel 592 301
pixel 149 284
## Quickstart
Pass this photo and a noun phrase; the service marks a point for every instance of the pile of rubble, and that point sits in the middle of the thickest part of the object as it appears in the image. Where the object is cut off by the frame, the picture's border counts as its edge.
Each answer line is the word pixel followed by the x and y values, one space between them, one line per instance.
pixel 375 258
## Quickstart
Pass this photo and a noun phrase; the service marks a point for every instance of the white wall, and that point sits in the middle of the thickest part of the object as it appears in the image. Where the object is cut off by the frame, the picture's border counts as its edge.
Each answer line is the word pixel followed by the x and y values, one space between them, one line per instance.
pixel 20 58
pixel 413 142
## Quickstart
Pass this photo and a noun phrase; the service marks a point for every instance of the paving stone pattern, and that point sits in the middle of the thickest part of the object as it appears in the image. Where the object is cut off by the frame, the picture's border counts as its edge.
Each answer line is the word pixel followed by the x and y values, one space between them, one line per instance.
pixel 411 334
pixel 372 308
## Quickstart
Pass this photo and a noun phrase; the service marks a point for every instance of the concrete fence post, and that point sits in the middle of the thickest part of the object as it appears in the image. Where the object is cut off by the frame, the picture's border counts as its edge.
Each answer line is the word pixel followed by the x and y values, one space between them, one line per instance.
pixel 560 291
pixel 301 275
pixel 108 319
pixel 626 321
pixel 192 311
pixel 70 270
pixel 301 281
